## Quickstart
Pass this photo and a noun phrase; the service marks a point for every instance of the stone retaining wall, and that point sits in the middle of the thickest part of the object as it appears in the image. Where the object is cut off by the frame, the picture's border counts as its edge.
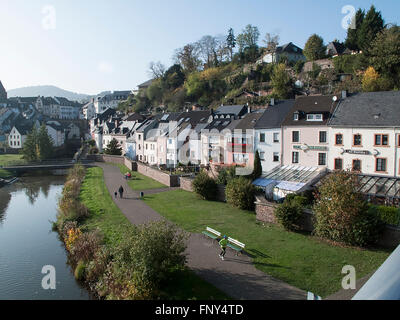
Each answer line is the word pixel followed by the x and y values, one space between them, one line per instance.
pixel 265 212
pixel 164 178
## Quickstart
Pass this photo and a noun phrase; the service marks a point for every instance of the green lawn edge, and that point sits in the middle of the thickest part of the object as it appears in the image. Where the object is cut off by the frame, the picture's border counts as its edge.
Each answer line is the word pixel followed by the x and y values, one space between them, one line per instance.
pixel 299 259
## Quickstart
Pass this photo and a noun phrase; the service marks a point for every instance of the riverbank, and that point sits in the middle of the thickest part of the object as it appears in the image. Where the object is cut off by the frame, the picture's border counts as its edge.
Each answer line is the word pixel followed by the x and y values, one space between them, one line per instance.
pixel 108 229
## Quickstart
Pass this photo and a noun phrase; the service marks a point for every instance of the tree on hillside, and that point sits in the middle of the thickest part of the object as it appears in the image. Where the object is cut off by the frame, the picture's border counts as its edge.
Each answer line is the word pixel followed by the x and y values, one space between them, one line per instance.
pixel 314 48
pixel 155 92
pixel 271 41
pixel 384 54
pixel 188 57
pixel 370 80
pixel 174 77
pixel 248 38
pixel 231 41
pixel 113 148
pixel 352 34
pixel 208 47
pixel 45 143
pixel 281 82
pixel 156 70
pixel 372 24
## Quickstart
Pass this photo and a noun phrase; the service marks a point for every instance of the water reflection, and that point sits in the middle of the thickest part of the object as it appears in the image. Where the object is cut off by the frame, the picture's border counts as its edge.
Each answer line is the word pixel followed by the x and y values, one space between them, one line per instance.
pixel 27 243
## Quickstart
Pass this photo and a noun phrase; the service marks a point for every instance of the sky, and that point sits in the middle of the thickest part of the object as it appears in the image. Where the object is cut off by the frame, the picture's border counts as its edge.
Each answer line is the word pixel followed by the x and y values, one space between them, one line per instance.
pixel 92 46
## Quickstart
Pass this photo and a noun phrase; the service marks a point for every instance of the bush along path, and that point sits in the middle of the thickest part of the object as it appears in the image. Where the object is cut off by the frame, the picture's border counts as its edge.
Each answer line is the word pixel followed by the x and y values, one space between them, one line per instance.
pixel 113 258
pixel 236 276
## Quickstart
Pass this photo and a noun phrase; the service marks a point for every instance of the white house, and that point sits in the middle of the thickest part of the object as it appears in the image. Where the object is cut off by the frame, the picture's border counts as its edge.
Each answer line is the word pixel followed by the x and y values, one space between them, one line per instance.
pixel 18 134
pixel 268 134
pixel 290 51
pixel 365 134
pixel 56 132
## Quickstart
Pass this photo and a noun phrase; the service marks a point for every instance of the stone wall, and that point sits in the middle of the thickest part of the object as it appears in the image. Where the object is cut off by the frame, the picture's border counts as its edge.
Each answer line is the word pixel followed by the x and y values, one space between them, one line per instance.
pixel 164 178
pixel 265 212
pixel 186 183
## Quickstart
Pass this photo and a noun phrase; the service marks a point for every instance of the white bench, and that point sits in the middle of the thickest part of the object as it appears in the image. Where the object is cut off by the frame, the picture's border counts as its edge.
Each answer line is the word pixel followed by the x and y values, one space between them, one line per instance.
pixel 211 233
pixel 236 245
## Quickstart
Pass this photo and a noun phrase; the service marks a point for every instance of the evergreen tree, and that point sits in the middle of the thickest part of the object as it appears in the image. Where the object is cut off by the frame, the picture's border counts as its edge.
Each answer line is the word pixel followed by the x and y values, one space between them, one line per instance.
pixel 113 148
pixel 352 34
pixel 231 41
pixel 45 143
pixel 29 151
pixel 257 171
pixel 314 48
pixel 372 24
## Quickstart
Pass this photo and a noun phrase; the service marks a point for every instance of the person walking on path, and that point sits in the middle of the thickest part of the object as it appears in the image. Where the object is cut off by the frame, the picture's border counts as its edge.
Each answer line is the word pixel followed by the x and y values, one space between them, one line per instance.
pixel 121 192
pixel 223 243
pixel 116 194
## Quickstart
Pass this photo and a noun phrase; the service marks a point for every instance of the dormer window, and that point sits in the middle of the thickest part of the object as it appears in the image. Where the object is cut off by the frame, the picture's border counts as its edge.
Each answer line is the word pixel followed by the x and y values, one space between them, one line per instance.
pixel 296 116
pixel 314 117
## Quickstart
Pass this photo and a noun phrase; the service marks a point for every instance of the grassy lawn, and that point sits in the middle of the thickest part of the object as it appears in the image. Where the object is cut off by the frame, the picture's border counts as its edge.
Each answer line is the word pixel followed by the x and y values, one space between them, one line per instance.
pixel 299 259
pixel 106 216
pixel 6 159
pixel 140 182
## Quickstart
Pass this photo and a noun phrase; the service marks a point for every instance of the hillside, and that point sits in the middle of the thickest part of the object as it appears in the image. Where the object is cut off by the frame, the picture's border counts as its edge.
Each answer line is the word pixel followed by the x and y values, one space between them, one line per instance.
pixel 47 91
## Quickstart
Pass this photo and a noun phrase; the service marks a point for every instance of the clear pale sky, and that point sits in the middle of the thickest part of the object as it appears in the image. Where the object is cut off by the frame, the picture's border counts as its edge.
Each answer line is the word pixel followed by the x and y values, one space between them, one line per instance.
pixel 97 45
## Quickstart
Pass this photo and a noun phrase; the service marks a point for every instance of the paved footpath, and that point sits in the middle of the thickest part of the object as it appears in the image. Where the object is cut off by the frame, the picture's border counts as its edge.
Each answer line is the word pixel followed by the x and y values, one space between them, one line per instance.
pixel 236 276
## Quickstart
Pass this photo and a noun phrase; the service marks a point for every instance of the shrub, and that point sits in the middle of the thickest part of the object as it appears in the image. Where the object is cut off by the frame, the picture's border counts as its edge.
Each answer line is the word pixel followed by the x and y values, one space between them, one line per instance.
pixel 388 215
pixel 72 236
pixel 148 257
pixel 72 209
pixel 85 246
pixel 205 186
pixel 240 193
pixel 341 213
pixel 225 175
pixel 98 265
pixel 80 271
pixel 290 212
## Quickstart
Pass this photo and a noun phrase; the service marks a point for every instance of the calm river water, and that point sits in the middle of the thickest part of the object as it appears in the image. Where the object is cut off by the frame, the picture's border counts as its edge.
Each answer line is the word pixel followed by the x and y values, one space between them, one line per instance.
pixel 27 242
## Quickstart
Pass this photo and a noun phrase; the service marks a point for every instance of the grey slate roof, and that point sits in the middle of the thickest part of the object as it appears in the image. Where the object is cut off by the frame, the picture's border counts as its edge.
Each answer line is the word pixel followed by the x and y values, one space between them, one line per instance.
pixel 274 115
pixel 368 109
pixel 237 110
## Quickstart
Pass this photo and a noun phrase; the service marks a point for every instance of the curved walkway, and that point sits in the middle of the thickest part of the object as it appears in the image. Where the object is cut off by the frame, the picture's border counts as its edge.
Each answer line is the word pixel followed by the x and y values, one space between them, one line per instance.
pixel 236 276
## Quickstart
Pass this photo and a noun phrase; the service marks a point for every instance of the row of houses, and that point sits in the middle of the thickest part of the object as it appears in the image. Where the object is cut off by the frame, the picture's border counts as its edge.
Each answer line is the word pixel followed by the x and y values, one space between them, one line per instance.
pixel 59 132
pixel 298 140
pixel 103 102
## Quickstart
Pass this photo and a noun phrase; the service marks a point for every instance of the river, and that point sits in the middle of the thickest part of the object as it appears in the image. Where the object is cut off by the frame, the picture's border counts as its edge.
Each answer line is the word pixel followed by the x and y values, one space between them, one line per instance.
pixel 27 243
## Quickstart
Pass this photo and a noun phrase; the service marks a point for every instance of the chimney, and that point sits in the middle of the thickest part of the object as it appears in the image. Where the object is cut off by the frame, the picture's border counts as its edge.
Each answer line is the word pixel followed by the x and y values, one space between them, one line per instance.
pixel 272 103
pixel 344 94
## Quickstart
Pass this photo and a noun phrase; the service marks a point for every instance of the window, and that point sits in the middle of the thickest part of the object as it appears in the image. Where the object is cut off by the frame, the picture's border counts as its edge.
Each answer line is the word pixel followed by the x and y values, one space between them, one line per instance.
pixel 380 165
pixel 357 140
pixel 262 137
pixel 276 156
pixel 381 139
pixel 314 117
pixel 296 116
pixel 169 141
pixel 322 159
pixel 398 140
pixel 339 139
pixel 356 165
pixel 295 157
pixel 276 137
pixel 295 136
pixel 322 137
pixel 262 156
pixel 338 164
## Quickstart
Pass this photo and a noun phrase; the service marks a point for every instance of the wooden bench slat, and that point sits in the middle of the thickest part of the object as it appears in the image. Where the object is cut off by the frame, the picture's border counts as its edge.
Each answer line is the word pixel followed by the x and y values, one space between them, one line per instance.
pixel 210 235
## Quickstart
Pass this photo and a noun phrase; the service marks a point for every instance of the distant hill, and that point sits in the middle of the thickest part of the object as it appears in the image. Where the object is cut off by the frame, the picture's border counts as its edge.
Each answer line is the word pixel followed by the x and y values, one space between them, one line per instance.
pixel 48 91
